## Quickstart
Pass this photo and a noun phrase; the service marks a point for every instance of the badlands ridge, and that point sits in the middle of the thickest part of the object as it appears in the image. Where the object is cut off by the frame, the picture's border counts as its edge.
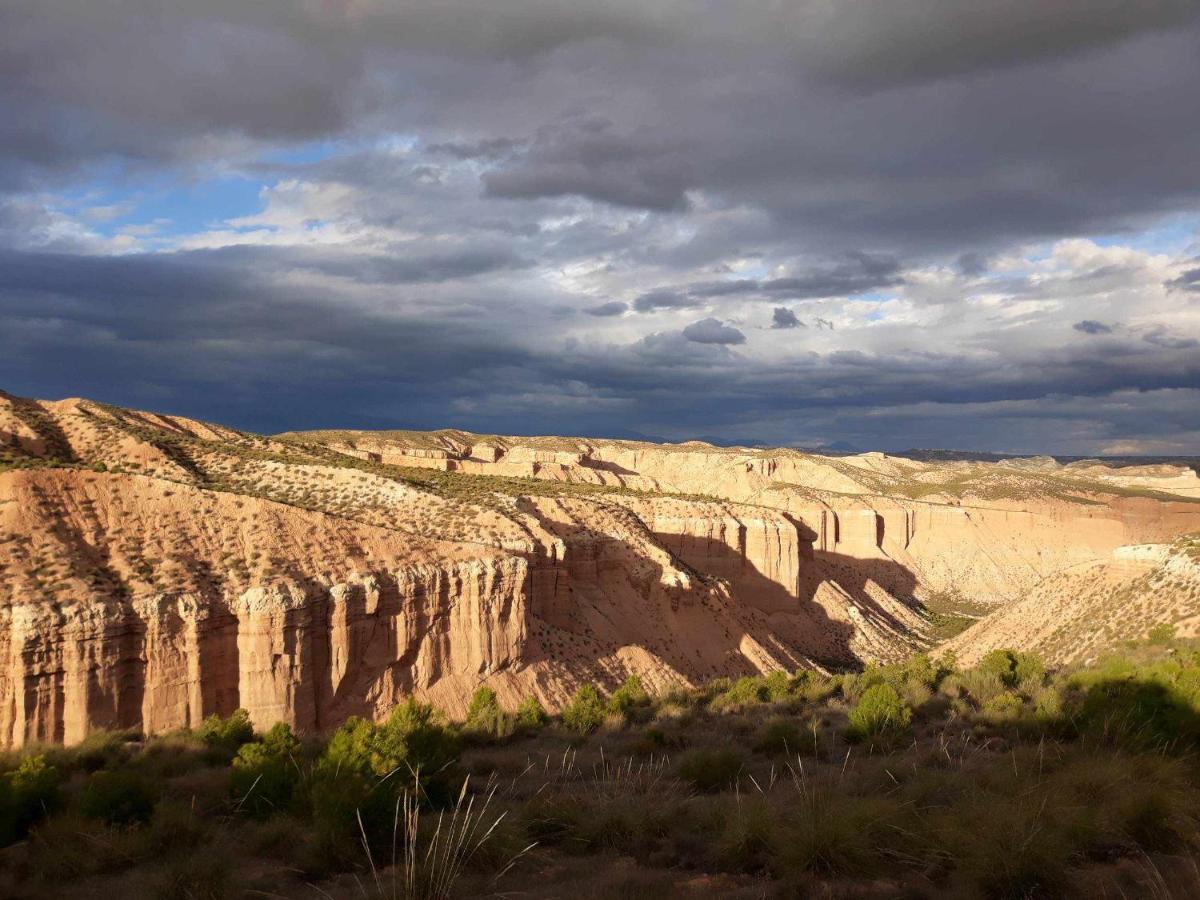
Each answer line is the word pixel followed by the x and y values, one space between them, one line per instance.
pixel 156 570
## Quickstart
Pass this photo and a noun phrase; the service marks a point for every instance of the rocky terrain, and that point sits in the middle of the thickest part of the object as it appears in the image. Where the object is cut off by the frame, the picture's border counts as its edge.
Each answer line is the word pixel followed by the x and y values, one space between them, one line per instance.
pixel 156 570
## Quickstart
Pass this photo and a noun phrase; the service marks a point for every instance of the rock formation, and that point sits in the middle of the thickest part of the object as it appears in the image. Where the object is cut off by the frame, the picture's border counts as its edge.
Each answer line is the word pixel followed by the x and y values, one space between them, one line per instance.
pixel 156 570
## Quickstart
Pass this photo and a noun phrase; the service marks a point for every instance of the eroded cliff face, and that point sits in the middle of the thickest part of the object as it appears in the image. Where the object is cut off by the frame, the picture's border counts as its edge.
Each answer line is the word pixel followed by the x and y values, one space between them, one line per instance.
pixel 163 603
pixel 157 570
pixel 169 604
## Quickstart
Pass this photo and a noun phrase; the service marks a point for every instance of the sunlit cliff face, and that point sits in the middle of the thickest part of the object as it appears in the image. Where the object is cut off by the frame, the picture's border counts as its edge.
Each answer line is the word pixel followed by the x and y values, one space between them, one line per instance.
pixel 155 570
pixel 891 225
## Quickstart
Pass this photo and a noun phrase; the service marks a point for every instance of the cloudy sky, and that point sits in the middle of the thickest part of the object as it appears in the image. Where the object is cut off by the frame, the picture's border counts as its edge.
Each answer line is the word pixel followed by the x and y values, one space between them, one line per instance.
pixel 938 223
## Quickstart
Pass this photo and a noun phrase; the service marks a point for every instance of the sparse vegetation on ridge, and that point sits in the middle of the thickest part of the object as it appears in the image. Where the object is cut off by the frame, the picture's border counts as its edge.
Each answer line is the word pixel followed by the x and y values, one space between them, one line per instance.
pixel 914 779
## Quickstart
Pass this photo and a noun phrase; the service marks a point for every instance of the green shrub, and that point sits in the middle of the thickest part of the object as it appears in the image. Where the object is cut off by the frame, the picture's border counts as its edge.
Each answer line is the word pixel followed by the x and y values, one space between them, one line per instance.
pixel 981 685
pixel 531 715
pixel 918 669
pixel 225 736
pixel 485 717
pixel 781 734
pixel 99 750
pixel 629 697
pixel 880 715
pixel 586 711
pixel 748 690
pixel 265 774
pixel 1003 707
pixel 778 685
pixel 1161 634
pixel 118 797
pixel 711 770
pixel 413 739
pixel 1013 667
pixel 365 767
pixel 1048 704
pixel 813 686
pixel 27 794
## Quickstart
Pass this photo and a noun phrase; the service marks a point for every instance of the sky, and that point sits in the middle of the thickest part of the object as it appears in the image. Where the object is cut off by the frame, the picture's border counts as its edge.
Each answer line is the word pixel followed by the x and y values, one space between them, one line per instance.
pixel 966 224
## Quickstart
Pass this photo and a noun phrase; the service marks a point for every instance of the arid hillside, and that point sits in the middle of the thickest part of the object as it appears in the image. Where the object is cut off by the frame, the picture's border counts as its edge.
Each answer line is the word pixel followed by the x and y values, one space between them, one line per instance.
pixel 1076 614
pixel 156 570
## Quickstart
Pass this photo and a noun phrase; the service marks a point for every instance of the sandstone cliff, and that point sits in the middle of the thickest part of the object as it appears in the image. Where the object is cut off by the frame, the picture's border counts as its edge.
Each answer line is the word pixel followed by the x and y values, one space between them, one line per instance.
pixel 156 570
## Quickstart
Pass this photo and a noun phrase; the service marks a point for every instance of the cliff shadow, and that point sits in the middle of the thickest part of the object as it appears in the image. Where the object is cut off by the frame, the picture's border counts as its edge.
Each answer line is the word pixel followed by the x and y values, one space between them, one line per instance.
pixel 851 575
pixel 726 619
pixel 854 575
pixel 603 466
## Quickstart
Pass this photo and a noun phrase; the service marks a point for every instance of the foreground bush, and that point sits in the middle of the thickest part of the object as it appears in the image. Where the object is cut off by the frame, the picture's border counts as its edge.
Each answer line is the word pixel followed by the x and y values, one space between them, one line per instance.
pixel 880 716
pixel 586 711
pixel 27 794
pixel 225 736
pixel 265 774
pixel 365 767
pixel 485 717
pixel 711 770
pixel 629 697
pixel 531 715
pixel 119 798
pixel 1013 668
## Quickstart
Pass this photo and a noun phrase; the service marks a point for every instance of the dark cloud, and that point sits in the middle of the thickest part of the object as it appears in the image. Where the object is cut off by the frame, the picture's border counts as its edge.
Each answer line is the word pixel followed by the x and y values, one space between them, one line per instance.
pixel 1161 337
pixel 861 273
pixel 783 317
pixel 444 186
pixel 713 331
pixel 489 148
pixel 409 265
pixel 664 299
pixel 1188 281
pixel 211 333
pixel 588 159
pixel 972 264
pixel 611 308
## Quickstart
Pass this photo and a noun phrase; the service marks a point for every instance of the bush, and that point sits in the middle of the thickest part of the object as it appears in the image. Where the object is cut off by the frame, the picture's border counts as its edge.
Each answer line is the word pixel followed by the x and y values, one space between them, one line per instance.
pixel 813 686
pixel 1013 667
pixel 531 715
pixel 265 774
pixel 1003 708
pixel 880 715
pixel 981 685
pixel 586 711
pixel 99 750
pixel 629 697
pixel 118 797
pixel 26 795
pixel 711 770
pixel 485 717
pixel 1161 634
pixel 413 739
pixel 365 767
pixel 746 691
pixel 782 735
pixel 778 685
pixel 225 736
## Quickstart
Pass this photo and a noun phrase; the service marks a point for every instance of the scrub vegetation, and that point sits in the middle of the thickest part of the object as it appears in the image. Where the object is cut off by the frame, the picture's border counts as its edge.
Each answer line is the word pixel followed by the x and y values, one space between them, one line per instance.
pixel 914 779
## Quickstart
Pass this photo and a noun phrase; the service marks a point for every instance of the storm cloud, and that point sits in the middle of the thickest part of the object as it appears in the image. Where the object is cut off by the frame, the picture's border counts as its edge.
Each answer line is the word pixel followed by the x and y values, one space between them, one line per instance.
pixel 918 223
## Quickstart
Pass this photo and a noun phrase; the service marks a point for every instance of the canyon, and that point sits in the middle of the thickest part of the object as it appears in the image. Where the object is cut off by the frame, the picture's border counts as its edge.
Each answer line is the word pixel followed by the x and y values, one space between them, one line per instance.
pixel 156 570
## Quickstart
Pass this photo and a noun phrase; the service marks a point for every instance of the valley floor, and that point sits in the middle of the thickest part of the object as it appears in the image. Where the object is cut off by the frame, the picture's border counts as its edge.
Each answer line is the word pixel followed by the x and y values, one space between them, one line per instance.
pixel 908 780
